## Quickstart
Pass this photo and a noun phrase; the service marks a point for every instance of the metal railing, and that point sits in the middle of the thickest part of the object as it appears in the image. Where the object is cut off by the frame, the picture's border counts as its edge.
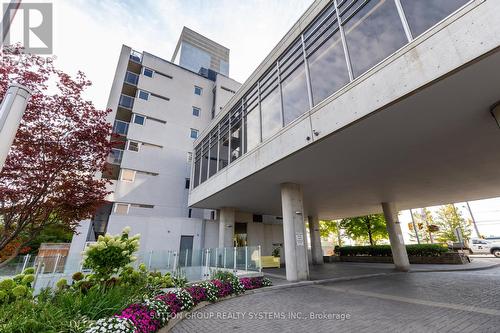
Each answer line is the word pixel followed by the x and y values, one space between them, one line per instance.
pixel 126 101
pixel 115 156
pixel 131 78
pixel 120 127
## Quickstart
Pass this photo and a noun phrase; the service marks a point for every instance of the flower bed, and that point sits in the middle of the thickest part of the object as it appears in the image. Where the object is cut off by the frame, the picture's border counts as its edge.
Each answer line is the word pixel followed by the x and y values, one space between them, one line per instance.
pixel 153 314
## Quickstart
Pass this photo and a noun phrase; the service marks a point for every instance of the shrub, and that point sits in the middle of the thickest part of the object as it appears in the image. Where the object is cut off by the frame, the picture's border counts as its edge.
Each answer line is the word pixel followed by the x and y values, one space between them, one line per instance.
pixel 112 325
pixel 62 284
pixel 29 270
pixel 144 319
pixel 19 291
pixel 78 276
pixel 162 313
pixel 210 290
pixel 7 284
pixel 255 282
pixel 110 254
pixel 385 250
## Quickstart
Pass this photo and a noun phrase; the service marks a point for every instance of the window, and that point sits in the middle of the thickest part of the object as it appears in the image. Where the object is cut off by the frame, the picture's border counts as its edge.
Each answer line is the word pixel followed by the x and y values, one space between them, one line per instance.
pixel 194 133
pixel 196 111
pixel 198 90
pixel 422 15
pixel 213 153
pixel 148 72
pixel 121 208
pixel 325 53
pixel 133 146
pixel 190 212
pixel 187 183
pixel 271 114
pixel 374 32
pixel 138 119
pixel 143 95
pixel 293 84
pixel 189 157
pixel 127 175
pixel 212 215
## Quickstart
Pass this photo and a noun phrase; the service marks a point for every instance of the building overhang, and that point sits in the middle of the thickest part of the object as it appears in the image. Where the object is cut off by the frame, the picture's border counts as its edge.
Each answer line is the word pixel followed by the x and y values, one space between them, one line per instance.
pixel 416 130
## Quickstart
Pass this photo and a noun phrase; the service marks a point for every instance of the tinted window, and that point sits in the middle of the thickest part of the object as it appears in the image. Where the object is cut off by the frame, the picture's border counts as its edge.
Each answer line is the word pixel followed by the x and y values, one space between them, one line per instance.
pixel 139 119
pixel 148 72
pixel 143 95
pixel 423 14
pixel 196 112
pixel 271 114
pixel 198 90
pixel 373 33
pixel 194 134
pixel 294 90
pixel 327 68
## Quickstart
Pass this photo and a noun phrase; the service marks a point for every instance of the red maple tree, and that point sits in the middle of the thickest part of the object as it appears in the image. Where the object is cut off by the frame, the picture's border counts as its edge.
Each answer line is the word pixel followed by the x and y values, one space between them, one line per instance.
pixel 62 144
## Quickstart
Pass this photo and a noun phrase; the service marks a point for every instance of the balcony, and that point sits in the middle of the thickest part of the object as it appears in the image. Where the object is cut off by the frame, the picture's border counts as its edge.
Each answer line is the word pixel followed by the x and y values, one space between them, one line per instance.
pixel 131 78
pixel 136 56
pixel 120 127
pixel 115 156
pixel 126 101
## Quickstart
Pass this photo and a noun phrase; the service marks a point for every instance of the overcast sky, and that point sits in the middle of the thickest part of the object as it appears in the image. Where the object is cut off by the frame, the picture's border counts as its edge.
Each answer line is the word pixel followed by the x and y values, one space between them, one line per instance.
pixel 88 34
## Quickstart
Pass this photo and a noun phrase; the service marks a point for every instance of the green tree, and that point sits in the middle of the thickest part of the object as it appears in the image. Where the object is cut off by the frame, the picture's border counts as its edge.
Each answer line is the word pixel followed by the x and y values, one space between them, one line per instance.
pixel 329 228
pixel 447 219
pixel 423 219
pixel 369 228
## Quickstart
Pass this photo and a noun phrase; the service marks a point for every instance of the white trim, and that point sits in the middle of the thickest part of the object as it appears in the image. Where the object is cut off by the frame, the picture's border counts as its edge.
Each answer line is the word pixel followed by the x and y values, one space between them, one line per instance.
pixel 144 91
pixel 152 70
pixel 134 173
pixel 116 204
pixel 138 145
pixel 140 115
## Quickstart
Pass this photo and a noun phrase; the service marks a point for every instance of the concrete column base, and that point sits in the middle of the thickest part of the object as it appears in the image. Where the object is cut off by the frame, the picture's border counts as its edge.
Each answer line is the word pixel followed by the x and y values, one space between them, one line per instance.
pixel 398 247
pixel 226 227
pixel 316 249
pixel 297 268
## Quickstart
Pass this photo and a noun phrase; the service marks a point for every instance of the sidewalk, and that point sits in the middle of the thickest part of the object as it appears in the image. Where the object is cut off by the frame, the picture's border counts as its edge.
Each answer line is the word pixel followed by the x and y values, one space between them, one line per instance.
pixel 348 269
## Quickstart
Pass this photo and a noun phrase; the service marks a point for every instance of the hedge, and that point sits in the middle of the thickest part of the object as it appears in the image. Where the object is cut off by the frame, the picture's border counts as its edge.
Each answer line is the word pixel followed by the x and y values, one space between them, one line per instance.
pixel 419 250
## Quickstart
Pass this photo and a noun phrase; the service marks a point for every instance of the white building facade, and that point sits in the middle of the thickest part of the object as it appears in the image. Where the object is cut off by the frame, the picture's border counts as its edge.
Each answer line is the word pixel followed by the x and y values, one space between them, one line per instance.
pixel 158 108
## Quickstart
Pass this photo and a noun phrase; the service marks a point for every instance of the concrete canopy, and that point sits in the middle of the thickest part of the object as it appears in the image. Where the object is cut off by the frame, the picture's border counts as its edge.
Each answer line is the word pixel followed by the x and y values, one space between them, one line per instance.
pixel 436 145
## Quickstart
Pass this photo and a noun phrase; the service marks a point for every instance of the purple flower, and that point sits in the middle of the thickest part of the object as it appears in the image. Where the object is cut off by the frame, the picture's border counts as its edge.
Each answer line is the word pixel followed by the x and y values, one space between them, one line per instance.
pixel 142 317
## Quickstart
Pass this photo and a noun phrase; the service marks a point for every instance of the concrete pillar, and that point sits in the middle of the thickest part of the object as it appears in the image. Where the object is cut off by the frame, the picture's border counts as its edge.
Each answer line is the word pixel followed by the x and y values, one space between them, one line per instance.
pixel 11 112
pixel 316 250
pixel 294 233
pixel 398 248
pixel 226 227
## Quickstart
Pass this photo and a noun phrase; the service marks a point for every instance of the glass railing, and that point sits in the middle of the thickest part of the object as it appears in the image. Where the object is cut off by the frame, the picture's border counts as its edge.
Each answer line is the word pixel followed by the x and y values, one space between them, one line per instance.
pixel 195 265
pixel 120 127
pixel 131 78
pixel 136 56
pixel 115 156
pixel 126 101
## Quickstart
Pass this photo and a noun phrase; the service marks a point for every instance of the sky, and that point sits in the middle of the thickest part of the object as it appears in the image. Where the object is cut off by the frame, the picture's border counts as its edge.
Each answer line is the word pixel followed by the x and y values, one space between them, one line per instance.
pixel 88 35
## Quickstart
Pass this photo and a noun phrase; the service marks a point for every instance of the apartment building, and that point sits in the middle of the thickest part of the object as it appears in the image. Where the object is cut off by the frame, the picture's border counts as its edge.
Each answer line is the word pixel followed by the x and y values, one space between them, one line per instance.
pixel 158 110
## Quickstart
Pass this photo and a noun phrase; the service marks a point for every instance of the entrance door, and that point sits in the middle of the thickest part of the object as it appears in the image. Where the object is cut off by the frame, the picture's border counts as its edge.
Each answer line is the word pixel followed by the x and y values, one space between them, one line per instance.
pixel 186 251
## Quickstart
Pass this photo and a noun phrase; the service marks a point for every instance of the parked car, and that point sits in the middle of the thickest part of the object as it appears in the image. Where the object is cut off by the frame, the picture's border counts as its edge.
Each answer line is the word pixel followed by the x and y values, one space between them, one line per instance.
pixel 485 246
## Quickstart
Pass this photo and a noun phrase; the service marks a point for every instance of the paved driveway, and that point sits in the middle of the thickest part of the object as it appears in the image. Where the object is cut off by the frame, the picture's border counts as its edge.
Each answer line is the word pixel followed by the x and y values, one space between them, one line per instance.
pixel 412 302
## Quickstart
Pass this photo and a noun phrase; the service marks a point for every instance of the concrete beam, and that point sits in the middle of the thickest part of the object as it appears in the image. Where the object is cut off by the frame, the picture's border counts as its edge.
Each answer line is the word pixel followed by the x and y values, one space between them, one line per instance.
pixel 398 248
pixel 296 264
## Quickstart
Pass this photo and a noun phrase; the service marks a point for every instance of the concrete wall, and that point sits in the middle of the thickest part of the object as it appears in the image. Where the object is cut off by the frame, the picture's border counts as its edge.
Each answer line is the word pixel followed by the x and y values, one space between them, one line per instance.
pixel 441 50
